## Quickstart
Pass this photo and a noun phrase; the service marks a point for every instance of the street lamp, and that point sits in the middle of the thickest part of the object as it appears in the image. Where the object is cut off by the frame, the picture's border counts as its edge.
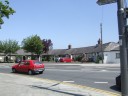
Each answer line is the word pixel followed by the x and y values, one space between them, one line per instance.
pixel 104 2
pixel 122 41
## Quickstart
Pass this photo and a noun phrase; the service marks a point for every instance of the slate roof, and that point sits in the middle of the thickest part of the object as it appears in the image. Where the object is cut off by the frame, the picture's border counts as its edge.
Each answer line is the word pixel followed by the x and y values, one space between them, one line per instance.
pixel 91 49
pixel 19 52
pixel 56 52
pixel 22 52
pixel 111 46
pixel 116 48
pixel 1 54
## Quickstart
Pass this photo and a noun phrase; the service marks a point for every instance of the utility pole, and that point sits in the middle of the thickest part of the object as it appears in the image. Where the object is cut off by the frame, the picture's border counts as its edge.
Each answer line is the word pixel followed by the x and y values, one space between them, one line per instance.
pixel 122 41
pixel 101 42
pixel 123 48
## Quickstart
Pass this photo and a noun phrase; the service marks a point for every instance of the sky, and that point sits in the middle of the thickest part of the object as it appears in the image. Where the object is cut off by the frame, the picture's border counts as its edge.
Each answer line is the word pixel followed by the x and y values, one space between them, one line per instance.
pixel 75 22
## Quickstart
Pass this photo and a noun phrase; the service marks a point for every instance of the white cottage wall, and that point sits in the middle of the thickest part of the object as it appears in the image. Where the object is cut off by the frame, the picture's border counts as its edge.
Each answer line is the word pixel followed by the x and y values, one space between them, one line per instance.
pixel 111 58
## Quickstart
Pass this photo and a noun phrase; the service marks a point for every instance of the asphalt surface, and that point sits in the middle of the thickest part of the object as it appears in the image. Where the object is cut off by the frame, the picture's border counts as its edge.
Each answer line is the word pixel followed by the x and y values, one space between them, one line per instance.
pixel 100 77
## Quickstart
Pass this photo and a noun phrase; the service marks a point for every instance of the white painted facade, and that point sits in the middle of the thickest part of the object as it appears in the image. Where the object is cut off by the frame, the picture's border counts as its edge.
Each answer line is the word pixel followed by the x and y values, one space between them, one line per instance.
pixel 112 57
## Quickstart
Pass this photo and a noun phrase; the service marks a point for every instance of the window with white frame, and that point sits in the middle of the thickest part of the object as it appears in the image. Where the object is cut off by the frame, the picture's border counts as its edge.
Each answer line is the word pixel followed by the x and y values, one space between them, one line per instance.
pixel 117 55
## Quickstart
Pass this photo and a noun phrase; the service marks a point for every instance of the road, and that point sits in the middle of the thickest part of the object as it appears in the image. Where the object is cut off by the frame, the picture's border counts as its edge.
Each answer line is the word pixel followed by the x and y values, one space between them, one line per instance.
pixel 100 77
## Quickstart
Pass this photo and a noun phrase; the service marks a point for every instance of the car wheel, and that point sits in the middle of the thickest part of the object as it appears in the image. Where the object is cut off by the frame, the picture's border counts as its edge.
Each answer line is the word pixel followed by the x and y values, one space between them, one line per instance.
pixel 41 72
pixel 13 70
pixel 30 72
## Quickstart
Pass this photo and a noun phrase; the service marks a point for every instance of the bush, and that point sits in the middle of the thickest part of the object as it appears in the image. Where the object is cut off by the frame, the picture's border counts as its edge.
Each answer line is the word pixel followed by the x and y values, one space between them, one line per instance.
pixel 78 58
pixel 47 58
pixel 98 58
pixel 43 59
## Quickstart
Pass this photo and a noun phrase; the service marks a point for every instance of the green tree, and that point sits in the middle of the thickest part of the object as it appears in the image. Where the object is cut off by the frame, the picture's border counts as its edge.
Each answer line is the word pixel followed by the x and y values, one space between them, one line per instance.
pixel 1 47
pixel 5 10
pixel 33 44
pixel 9 46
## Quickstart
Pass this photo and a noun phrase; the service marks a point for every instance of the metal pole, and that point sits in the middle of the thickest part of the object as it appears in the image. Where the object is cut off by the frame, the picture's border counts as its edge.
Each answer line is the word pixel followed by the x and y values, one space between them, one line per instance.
pixel 101 43
pixel 123 49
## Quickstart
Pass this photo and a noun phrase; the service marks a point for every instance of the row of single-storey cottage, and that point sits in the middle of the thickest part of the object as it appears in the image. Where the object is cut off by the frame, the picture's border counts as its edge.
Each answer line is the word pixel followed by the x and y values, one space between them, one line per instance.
pixel 109 52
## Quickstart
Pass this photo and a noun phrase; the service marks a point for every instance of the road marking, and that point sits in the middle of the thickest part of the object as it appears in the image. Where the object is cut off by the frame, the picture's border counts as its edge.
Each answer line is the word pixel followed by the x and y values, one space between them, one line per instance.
pixel 101 82
pixel 99 67
pixel 61 70
pixel 50 67
pixel 103 70
pixel 68 81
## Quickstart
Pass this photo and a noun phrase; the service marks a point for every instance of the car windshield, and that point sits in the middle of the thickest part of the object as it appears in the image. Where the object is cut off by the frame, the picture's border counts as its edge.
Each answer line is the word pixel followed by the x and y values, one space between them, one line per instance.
pixel 22 63
pixel 37 62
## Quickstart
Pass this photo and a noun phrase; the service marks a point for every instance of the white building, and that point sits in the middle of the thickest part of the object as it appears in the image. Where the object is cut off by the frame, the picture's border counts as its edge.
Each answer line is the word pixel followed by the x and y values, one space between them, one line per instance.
pixel 112 56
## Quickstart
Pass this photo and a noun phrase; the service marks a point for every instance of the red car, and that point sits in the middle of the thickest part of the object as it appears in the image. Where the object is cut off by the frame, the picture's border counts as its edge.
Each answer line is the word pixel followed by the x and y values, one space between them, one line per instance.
pixel 29 66
pixel 65 59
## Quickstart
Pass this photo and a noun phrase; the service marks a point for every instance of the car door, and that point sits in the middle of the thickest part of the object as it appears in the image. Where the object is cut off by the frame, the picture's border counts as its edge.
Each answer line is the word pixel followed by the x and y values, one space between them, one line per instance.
pixel 20 66
pixel 26 66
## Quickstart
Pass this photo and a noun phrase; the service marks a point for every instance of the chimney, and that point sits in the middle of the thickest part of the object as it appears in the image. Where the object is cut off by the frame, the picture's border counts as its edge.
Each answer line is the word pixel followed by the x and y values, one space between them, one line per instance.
pixel 69 46
pixel 99 42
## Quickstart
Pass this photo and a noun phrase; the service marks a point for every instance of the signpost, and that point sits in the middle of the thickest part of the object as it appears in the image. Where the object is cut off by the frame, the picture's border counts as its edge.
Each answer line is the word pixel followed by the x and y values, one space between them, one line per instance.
pixel 123 46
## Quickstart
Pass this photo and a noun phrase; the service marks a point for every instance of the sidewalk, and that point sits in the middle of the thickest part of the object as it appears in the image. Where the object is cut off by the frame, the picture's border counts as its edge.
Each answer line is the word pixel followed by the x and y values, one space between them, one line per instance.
pixel 24 85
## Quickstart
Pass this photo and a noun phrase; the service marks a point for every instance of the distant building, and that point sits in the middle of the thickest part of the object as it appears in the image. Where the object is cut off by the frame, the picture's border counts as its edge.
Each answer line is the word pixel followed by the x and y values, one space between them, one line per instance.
pixel 111 53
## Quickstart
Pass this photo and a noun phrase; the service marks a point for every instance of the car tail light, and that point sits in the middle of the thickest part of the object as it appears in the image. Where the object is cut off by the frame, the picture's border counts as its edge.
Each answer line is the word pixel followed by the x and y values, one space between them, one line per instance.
pixel 42 65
